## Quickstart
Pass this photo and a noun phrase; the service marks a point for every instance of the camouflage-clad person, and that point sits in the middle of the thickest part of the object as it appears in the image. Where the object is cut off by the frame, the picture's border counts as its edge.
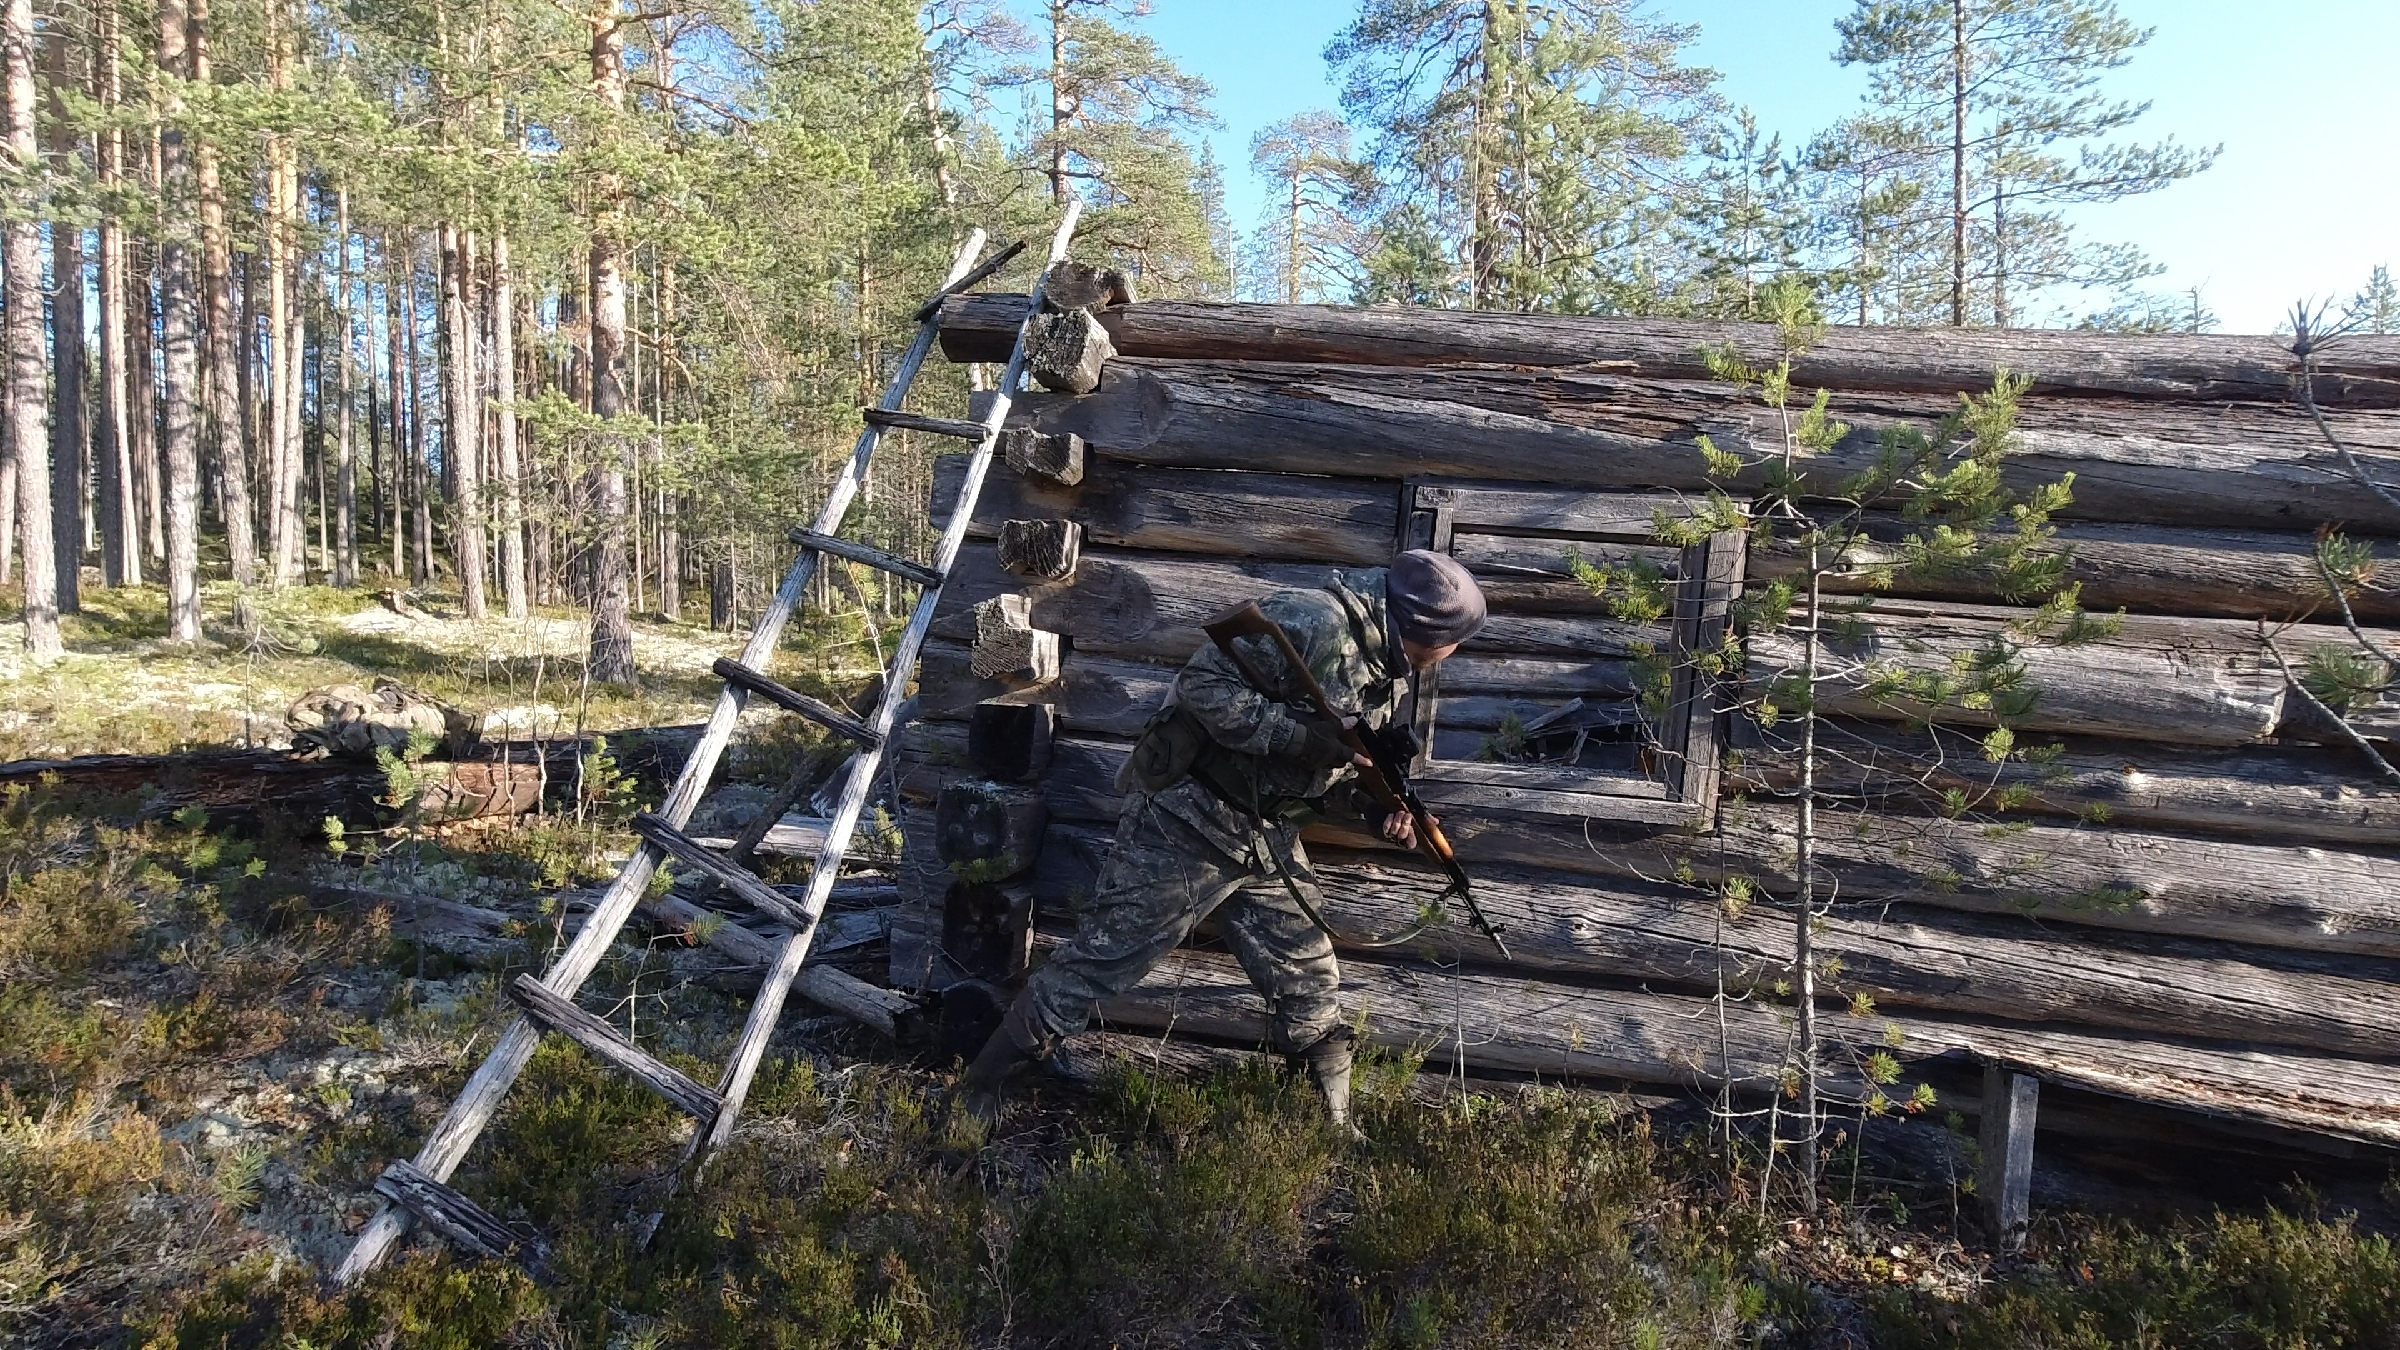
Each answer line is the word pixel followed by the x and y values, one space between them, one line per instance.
pixel 1217 790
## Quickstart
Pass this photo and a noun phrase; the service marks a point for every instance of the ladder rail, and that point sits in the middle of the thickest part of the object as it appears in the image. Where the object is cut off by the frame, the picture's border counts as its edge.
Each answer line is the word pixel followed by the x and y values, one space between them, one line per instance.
pixel 759 1028
pixel 447 1143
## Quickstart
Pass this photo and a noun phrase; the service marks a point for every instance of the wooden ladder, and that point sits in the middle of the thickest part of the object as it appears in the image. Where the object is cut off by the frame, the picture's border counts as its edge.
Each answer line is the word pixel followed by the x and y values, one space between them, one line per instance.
pixel 419 1190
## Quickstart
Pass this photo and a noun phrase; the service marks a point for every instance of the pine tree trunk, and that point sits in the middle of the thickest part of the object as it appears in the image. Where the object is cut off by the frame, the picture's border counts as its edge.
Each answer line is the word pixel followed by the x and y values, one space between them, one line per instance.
pixel 670 541
pixel 228 442
pixel 178 339
pixel 1958 163
pixel 420 475
pixel 394 407
pixel 503 306
pixel 28 382
pixel 141 387
pixel 69 455
pixel 462 430
pixel 120 517
pixel 612 617
pixel 345 490
pixel 1062 103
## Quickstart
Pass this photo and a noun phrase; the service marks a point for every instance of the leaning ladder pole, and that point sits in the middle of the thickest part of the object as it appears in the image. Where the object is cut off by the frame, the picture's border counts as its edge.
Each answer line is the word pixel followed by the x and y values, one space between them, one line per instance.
pixel 760 1027
pixel 447 1144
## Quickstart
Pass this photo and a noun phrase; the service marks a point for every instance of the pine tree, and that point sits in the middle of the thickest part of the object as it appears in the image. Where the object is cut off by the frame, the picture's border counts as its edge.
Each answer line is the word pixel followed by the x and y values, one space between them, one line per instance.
pixel 1992 97
pixel 1542 146
pixel 1306 233
pixel 2376 307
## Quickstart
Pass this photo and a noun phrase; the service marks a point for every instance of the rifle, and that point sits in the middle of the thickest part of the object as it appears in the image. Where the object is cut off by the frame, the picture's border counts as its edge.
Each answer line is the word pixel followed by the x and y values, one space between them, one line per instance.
pixel 1385 775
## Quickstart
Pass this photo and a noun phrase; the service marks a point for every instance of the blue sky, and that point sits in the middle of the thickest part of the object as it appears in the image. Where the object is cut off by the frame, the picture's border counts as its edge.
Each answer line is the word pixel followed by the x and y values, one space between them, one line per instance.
pixel 2302 94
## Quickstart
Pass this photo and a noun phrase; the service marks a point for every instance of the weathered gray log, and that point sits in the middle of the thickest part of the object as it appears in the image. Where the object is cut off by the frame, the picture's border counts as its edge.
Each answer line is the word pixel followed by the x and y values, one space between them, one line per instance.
pixel 1036 454
pixel 1008 646
pixel 1093 695
pixel 1110 696
pixel 2233 467
pixel 1267 516
pixel 886 1010
pixel 1080 285
pixel 1066 351
pixel 2004 1174
pixel 1505 1023
pixel 2359 372
pixel 2194 681
pixel 2305 899
pixel 799 836
pixel 1902 956
pixel 1011 742
pixel 607 1043
pixel 458 1220
pixel 1150 607
pixel 993 828
pixel 2253 574
pixel 1045 550
pixel 2280 792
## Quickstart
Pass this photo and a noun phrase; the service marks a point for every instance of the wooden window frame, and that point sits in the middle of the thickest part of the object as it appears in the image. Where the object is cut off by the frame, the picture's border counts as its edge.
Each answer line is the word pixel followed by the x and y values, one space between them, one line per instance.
pixel 1692 735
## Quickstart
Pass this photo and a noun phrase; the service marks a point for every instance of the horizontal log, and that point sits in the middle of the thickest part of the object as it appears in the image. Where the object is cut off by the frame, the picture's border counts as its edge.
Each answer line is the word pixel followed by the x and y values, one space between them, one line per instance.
pixel 2243 574
pixel 1093 695
pixel 2358 372
pixel 1269 516
pixel 1150 606
pixel 1513 1025
pixel 2226 467
pixel 1900 956
pixel 2192 681
pixel 2267 793
pixel 2298 898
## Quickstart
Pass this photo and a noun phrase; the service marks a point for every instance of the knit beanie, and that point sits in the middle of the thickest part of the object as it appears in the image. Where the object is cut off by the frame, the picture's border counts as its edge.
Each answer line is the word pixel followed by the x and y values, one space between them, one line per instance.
pixel 1434 601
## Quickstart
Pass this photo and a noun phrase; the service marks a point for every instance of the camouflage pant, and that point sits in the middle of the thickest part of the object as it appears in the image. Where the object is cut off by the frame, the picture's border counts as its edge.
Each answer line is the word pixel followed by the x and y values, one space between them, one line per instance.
pixel 1162 878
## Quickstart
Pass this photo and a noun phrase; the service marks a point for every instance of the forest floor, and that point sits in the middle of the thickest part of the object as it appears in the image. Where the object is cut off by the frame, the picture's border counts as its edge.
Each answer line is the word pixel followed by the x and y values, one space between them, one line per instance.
pixel 209 1047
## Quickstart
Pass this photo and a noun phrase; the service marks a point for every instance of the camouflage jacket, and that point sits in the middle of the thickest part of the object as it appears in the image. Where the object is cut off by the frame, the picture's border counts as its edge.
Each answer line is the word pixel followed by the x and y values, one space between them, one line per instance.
pixel 1343 632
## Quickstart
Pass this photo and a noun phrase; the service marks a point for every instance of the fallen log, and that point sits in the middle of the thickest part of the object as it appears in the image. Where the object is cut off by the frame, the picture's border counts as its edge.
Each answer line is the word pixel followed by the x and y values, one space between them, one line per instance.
pixel 245 786
pixel 1900 956
pixel 2359 372
pixel 2232 468
pixel 1506 1023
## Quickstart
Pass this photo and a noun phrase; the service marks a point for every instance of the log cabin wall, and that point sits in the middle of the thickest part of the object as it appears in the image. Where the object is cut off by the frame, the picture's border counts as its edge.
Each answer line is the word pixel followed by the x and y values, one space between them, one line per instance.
pixel 2197 905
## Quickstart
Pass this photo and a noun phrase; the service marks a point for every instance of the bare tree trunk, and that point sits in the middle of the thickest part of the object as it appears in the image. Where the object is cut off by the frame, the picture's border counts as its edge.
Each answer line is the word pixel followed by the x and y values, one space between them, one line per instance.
pixel 228 439
pixel 68 454
pixel 1958 163
pixel 1062 103
pixel 462 432
pixel 120 513
pixel 345 495
pixel 612 617
pixel 179 311
pixel 420 474
pixel 141 387
pixel 511 473
pixel 394 407
pixel 28 382
pixel 285 528
pixel 670 540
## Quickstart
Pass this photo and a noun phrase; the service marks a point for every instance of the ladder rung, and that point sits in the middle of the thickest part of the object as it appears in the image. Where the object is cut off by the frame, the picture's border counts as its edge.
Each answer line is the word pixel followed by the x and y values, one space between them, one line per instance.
pixel 608 1043
pixel 936 426
pixel 983 269
pixel 460 1221
pixel 868 554
pixel 720 870
pixel 792 700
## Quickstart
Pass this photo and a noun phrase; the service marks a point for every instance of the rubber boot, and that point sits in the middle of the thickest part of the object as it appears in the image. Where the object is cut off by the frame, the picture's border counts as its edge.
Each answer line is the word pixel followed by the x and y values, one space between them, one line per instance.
pixel 1002 1061
pixel 1328 1063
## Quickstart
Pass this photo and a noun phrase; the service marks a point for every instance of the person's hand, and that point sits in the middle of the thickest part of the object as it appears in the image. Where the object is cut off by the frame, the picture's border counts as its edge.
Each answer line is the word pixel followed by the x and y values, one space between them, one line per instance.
pixel 1400 829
